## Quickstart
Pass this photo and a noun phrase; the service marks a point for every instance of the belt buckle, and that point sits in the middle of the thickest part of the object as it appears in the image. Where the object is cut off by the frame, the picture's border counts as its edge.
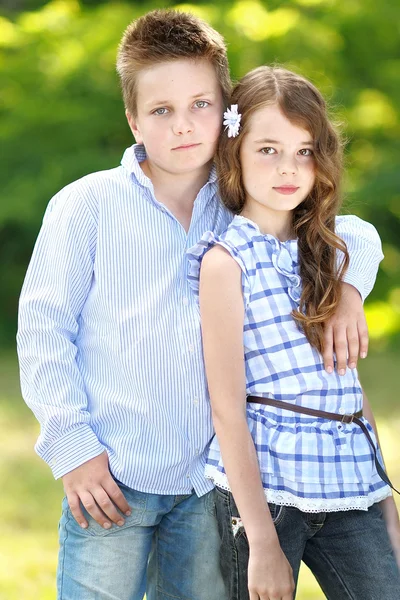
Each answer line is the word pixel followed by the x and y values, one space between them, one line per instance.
pixel 347 416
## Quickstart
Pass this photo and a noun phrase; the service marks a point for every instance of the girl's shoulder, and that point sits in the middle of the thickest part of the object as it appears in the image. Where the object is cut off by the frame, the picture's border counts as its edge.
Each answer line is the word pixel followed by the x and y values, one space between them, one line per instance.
pixel 230 244
pixel 242 238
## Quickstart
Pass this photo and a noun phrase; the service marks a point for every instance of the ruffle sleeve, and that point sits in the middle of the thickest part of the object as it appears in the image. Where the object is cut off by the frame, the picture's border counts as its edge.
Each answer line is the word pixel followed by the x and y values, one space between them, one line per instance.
pixel 196 253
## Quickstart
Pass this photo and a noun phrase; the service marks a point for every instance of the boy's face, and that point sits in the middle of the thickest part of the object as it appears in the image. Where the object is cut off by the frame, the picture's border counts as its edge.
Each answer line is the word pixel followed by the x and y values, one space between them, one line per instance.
pixel 179 115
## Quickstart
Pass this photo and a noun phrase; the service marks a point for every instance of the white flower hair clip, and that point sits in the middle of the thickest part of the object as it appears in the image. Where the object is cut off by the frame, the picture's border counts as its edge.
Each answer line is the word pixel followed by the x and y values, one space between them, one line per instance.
pixel 232 120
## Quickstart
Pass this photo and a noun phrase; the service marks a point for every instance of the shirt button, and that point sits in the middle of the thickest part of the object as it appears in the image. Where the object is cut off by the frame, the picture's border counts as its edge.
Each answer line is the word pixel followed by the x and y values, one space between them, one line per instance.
pixel 197 451
pixel 191 348
pixel 188 475
pixel 196 401
pixel 185 301
pixel 341 411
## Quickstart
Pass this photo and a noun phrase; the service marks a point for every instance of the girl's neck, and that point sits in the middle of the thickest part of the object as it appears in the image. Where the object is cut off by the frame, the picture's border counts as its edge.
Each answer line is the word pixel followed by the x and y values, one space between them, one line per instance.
pixel 276 223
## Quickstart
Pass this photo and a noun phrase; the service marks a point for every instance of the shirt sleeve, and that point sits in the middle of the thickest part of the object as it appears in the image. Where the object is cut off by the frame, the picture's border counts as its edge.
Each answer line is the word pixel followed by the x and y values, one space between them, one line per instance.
pixel 365 251
pixel 55 289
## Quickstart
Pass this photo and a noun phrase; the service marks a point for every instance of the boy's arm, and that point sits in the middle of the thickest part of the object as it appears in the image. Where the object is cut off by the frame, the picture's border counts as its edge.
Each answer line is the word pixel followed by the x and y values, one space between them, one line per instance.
pixel 346 333
pixel 222 310
pixel 56 287
pixel 365 250
pixel 388 506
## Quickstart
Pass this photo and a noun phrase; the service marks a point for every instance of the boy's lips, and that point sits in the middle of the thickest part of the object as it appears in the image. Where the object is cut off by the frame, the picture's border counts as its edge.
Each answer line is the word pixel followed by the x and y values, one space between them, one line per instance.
pixel 186 146
pixel 286 189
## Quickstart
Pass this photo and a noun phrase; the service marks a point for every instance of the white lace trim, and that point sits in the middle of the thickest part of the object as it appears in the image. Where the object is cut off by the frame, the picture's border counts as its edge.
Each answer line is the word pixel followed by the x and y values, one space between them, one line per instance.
pixel 310 505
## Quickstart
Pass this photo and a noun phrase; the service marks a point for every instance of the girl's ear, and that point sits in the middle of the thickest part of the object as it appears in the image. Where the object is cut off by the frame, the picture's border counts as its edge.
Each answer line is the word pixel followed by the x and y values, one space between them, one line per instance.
pixel 134 126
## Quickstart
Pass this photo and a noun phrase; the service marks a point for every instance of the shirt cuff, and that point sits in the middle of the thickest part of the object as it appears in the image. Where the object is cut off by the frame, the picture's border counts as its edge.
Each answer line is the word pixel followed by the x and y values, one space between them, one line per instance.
pixel 72 450
pixel 356 280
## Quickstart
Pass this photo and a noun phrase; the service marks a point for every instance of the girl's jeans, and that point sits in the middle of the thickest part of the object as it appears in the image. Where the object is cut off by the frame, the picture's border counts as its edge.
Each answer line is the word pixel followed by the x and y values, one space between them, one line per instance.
pixel 349 552
pixel 167 548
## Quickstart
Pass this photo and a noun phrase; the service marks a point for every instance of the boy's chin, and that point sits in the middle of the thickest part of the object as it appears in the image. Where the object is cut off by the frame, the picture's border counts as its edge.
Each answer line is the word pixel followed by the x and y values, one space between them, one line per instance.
pixel 193 164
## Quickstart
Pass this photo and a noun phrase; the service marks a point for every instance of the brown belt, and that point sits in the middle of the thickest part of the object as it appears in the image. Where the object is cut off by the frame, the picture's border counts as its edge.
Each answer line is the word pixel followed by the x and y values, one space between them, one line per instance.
pixel 322 414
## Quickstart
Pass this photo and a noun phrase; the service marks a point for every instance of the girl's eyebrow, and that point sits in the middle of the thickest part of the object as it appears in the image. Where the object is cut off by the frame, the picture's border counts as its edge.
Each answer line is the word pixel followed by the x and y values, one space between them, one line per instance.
pixel 267 141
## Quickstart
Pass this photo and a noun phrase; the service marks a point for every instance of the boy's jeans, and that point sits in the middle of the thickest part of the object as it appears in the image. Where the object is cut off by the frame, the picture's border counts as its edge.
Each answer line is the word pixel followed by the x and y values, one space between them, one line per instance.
pixel 349 552
pixel 168 549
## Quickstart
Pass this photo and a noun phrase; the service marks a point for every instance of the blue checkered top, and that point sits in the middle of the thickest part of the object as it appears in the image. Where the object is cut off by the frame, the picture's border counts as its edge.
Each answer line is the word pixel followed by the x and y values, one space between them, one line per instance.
pixel 314 464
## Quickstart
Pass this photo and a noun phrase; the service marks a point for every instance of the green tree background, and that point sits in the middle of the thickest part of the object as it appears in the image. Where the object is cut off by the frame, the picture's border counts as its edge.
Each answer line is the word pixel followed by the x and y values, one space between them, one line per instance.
pixel 61 116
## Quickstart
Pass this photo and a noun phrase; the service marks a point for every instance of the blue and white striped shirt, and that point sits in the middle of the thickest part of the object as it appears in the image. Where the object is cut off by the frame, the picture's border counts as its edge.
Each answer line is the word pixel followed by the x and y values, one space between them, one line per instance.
pixel 314 464
pixel 109 334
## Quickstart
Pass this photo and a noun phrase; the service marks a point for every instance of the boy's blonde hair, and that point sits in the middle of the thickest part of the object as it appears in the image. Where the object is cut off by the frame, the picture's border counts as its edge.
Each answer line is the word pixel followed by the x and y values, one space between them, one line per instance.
pixel 166 35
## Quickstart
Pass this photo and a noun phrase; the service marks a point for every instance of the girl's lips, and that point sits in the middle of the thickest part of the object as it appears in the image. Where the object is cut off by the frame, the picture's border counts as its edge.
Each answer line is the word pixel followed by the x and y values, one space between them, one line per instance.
pixel 286 189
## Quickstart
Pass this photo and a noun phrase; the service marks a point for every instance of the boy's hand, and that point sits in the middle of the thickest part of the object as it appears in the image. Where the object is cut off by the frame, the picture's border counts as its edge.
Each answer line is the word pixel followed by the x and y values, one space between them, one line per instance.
pixel 346 333
pixel 391 516
pixel 270 575
pixel 394 536
pixel 92 485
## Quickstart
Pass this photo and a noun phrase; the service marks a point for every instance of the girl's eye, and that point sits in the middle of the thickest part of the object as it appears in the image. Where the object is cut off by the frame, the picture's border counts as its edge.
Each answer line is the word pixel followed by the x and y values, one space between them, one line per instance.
pixel 267 150
pixel 306 152
pixel 201 104
pixel 160 111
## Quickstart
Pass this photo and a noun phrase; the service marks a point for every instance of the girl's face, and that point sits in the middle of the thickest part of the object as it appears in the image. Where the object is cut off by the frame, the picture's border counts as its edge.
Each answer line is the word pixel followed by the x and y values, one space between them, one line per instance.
pixel 278 167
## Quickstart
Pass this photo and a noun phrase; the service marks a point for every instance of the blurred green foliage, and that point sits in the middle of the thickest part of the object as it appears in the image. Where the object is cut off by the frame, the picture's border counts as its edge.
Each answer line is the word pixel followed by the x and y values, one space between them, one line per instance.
pixel 61 115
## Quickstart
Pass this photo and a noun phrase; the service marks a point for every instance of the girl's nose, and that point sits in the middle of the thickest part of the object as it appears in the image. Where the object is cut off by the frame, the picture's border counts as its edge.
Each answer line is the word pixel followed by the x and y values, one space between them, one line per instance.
pixel 287 166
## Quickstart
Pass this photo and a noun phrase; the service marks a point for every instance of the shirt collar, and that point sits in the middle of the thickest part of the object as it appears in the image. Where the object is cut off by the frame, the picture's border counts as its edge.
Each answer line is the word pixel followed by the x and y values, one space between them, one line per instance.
pixel 241 221
pixel 131 160
pixel 136 154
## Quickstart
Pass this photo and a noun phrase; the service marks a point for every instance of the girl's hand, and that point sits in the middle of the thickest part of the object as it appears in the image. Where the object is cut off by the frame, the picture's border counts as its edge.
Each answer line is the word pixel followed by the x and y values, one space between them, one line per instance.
pixel 346 333
pixel 270 575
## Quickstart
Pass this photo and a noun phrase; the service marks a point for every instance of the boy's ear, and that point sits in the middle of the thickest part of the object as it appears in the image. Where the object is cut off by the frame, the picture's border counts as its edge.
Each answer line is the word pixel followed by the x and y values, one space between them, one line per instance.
pixel 134 127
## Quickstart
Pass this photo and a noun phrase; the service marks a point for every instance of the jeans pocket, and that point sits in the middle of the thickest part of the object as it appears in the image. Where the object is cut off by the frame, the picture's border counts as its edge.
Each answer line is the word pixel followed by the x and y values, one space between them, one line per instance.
pixel 137 504
pixel 209 502
pixel 277 512
pixel 228 507
pixel 376 511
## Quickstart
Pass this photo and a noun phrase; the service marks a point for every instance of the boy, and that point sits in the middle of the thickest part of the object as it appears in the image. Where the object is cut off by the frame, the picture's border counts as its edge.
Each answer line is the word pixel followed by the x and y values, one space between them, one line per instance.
pixel 109 336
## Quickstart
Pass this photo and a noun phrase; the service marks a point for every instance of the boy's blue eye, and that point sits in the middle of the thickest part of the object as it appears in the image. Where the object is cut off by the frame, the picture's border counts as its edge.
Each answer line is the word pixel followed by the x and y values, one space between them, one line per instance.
pixel 160 111
pixel 201 104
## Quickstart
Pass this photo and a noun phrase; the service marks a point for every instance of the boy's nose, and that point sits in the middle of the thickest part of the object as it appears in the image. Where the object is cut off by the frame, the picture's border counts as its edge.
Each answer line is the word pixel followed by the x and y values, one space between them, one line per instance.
pixel 182 125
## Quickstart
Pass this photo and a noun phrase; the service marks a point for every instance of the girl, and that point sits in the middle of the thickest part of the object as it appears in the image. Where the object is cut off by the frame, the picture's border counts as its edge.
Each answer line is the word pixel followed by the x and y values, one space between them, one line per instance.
pixel 292 483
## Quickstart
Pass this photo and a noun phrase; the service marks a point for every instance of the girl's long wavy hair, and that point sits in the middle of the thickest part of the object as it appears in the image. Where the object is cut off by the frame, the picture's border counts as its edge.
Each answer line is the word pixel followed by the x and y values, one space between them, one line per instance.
pixel 314 219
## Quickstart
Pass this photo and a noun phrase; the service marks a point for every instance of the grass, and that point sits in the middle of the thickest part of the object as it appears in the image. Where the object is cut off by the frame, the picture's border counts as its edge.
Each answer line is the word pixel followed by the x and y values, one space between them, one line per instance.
pixel 30 499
